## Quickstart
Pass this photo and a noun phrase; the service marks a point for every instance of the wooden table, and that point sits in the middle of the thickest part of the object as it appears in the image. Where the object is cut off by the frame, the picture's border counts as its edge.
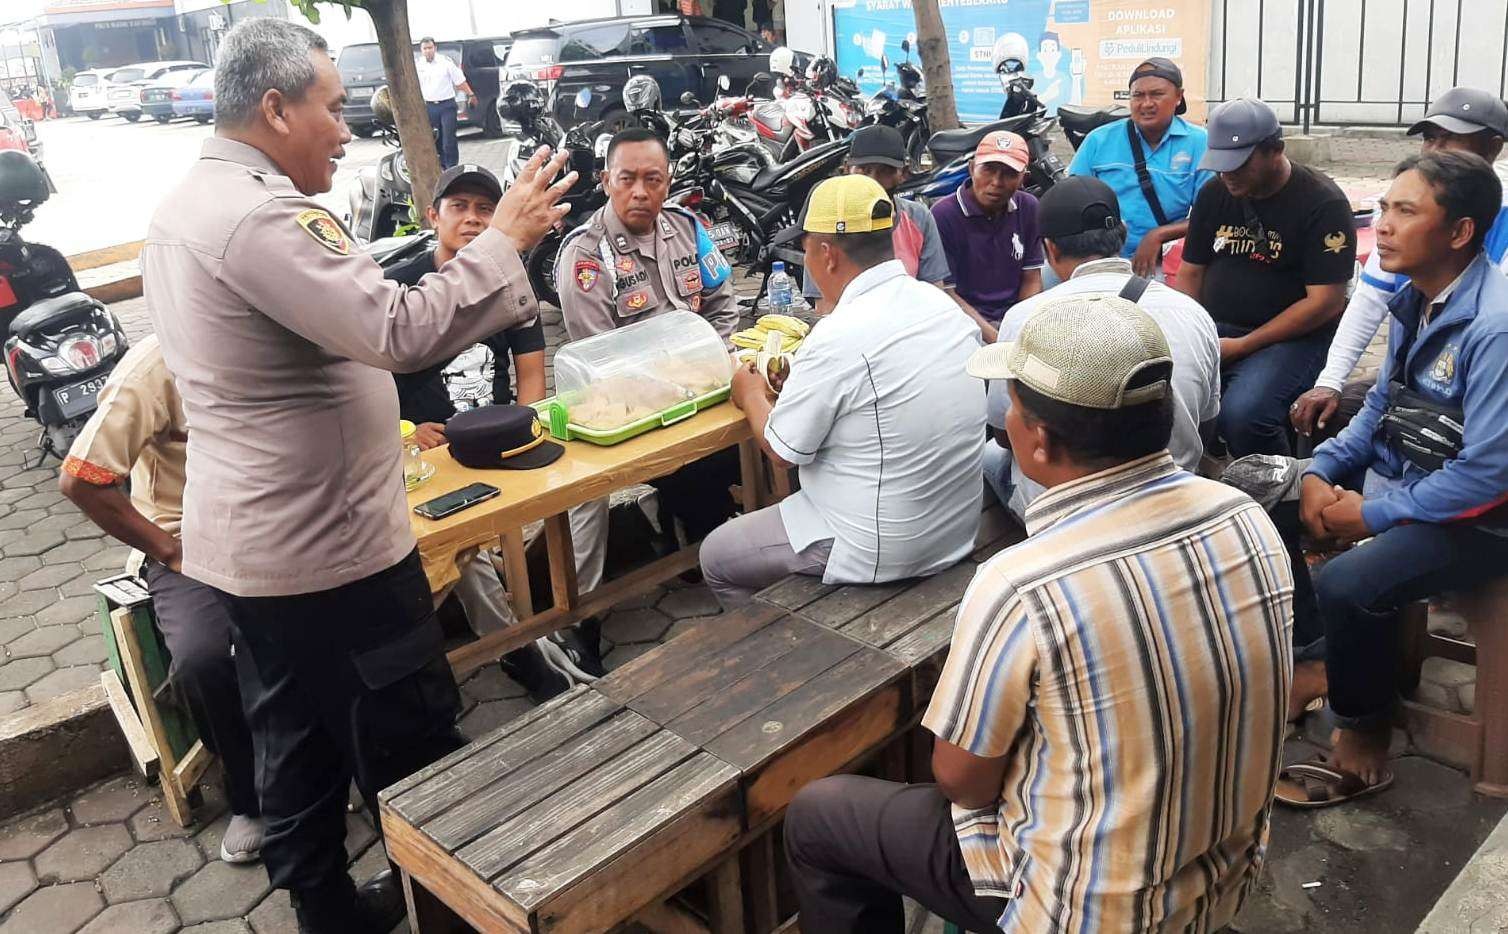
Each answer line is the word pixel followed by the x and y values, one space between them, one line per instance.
pixel 586 472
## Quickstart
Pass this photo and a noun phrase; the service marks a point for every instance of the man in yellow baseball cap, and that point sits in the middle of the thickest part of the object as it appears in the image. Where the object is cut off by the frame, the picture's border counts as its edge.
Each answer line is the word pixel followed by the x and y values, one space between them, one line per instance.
pixel 878 412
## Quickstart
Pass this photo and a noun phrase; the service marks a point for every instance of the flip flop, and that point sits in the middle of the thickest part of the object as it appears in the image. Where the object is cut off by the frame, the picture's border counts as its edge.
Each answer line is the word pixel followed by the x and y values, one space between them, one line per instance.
pixel 1313 706
pixel 1317 783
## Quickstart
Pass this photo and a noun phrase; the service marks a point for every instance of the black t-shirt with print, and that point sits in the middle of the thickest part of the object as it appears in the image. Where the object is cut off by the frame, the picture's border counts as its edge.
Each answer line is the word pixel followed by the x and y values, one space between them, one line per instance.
pixel 1310 239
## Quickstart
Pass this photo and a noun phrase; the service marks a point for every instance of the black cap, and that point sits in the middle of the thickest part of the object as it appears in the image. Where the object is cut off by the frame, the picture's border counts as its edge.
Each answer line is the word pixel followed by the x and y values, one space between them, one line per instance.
pixel 1465 111
pixel 1158 67
pixel 505 436
pixel 1077 204
pixel 468 173
pixel 877 144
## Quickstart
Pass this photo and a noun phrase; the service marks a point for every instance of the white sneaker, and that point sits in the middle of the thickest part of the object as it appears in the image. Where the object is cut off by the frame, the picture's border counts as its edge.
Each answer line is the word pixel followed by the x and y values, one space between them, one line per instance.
pixel 242 842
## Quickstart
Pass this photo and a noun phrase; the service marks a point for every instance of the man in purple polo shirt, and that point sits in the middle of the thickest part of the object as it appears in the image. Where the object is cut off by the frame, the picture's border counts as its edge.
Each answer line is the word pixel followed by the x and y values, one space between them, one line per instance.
pixel 990 234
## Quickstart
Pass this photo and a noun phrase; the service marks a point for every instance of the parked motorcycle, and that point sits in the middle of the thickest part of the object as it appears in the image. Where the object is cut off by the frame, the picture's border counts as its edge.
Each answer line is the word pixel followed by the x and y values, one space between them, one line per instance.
pixel 821 105
pixel 902 103
pixel 60 344
pixel 526 119
pixel 381 203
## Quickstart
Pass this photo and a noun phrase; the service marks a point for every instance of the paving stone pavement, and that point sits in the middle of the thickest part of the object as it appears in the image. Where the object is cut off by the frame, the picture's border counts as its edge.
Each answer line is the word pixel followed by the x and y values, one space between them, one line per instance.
pixel 110 859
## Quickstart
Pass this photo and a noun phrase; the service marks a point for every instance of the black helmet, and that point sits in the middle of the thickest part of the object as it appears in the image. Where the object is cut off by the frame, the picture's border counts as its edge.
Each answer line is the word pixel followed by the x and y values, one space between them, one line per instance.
pixel 822 72
pixel 21 180
pixel 520 100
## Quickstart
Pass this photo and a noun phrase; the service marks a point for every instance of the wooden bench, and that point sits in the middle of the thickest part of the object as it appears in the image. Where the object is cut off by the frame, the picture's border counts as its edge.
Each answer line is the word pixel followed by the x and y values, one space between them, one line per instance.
pixel 160 733
pixel 1477 741
pixel 574 817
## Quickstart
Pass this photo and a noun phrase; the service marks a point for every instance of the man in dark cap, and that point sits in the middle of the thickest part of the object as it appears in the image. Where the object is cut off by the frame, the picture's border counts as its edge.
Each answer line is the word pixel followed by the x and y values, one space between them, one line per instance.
pixel 1151 161
pixel 1270 249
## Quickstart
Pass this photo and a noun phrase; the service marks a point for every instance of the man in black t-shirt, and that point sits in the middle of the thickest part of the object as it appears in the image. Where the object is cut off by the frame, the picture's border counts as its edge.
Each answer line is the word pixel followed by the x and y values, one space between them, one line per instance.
pixel 1270 248
pixel 465 197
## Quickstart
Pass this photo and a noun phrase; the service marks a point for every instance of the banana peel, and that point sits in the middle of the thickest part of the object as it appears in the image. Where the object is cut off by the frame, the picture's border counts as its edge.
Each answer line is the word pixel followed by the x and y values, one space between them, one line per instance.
pixel 773 362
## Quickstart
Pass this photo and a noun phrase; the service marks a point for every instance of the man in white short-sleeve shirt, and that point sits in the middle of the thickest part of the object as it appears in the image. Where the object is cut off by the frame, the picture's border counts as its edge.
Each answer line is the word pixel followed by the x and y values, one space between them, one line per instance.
pixel 1082 235
pixel 878 412
pixel 439 80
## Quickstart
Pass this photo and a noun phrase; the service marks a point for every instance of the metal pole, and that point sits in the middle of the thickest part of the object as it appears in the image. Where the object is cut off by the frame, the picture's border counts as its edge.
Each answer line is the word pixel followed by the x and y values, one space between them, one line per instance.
pixel 1455 68
pixel 1298 64
pixel 1361 50
pixel 1318 60
pixel 1403 57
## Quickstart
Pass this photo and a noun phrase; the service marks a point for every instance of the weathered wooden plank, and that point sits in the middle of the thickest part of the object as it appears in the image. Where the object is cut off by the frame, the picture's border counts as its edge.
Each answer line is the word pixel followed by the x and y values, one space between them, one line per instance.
pixel 791 719
pixel 582 854
pixel 535 738
pixel 762 648
pixel 761 684
pixel 476 747
pixel 832 745
pixel 848 602
pixel 688 652
pixel 927 643
pixel 426 913
pixel 535 780
pixel 515 839
pixel 725 903
pixel 795 591
pixel 448 880
pixel 912 607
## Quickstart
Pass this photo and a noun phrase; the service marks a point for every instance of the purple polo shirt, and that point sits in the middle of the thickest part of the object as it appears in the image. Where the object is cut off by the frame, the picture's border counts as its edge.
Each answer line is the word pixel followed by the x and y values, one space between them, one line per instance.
pixel 988 254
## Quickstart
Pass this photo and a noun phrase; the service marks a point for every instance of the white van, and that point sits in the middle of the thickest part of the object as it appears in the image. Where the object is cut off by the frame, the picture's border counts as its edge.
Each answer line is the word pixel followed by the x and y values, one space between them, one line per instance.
pixel 124 95
pixel 87 92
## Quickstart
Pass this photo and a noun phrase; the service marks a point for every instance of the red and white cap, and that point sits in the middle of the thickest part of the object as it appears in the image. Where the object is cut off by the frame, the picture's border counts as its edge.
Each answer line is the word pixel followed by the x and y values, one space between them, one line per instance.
pixel 1005 147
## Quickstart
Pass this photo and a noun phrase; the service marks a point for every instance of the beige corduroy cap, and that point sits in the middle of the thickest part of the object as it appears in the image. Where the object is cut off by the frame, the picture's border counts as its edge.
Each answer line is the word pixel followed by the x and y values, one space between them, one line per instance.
pixel 1082 350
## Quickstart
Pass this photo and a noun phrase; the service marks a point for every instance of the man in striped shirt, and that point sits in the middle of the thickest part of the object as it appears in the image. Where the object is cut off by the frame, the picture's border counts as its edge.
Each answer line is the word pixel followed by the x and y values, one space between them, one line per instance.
pixel 1110 715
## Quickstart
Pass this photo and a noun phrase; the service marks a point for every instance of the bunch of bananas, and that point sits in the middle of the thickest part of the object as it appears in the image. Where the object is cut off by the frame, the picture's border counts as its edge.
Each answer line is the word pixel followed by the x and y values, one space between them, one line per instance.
pixel 752 340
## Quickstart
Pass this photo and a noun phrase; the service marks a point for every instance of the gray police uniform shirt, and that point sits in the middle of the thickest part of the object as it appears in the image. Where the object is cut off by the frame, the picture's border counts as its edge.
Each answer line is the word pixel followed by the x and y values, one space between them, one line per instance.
pixel 281 336
pixel 609 277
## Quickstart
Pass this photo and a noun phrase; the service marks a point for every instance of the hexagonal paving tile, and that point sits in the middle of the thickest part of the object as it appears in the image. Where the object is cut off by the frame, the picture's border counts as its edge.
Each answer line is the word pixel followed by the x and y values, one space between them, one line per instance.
pixel 20 672
pixel 635 626
pixel 81 586
pixel 13 568
pixel 84 530
pixel 232 926
pixel 150 870
pixel 54 909
pixel 88 650
pixel 48 577
pixel 42 641
pixel 152 916
pixel 28 603
pixel 11 629
pixel 111 559
pixel 490 683
pixel 72 551
pixel 114 800
pixel 491 715
pixel 34 542
pixel 22 518
pixel 28 836
pixel 69 610
pixel 693 601
pixel 16 882
pixel 153 822
pixel 12 701
pixel 63 681
pixel 274 915
pixel 82 853
pixel 219 891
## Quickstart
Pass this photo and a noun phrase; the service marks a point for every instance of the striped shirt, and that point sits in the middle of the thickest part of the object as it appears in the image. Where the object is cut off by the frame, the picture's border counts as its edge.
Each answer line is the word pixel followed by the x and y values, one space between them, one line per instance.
pixel 1132 660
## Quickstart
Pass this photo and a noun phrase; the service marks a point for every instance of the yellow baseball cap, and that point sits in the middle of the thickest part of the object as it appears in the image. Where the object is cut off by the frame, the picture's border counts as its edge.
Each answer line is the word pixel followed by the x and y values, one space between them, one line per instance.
pixel 844 204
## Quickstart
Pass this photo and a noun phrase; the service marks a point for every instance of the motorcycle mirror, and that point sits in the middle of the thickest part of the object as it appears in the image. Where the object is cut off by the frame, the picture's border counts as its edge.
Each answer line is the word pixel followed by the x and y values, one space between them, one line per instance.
pixel 859 73
pixel 906 46
pixel 723 83
pixel 583 98
pixel 884 62
pixel 599 148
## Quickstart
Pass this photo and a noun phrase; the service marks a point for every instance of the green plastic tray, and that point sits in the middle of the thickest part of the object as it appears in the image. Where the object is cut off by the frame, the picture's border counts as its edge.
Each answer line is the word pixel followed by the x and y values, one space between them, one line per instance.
pixel 557 418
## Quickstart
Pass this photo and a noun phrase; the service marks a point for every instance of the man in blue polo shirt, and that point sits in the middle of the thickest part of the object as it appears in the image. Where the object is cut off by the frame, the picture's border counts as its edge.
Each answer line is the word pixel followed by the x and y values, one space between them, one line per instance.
pixel 1151 161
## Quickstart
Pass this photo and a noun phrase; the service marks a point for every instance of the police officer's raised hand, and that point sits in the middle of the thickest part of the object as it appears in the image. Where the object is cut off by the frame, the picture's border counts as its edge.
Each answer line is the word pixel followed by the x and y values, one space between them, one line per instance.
pixel 529 208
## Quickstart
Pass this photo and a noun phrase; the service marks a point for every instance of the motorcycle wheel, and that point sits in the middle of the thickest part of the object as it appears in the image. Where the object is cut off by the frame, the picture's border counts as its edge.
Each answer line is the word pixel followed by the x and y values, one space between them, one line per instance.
pixel 540 265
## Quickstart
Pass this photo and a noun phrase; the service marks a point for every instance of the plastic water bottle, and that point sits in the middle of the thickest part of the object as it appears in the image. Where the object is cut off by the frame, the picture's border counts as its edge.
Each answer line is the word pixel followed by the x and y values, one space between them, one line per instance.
pixel 780 289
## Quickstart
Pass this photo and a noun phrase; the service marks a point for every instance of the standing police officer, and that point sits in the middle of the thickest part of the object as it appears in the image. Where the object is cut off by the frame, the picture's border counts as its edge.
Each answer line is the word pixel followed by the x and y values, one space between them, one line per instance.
pixel 278 333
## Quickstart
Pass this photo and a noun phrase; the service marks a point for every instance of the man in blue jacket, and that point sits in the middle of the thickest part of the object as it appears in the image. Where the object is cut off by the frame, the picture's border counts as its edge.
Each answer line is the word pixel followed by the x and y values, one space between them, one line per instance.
pixel 1430 452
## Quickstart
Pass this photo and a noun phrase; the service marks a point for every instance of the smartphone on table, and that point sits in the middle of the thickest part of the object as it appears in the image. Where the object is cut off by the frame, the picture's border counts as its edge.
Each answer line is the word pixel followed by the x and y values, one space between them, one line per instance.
pixel 451 503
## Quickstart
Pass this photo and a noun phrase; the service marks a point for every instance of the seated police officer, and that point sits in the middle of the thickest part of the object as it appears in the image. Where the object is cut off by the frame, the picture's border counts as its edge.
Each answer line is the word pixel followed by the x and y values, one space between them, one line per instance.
pixel 1429 451
pixel 633 259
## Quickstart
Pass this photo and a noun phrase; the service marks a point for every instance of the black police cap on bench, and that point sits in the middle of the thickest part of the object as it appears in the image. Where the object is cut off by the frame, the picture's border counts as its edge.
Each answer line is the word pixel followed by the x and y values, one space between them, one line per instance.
pixel 1078 204
pixel 505 436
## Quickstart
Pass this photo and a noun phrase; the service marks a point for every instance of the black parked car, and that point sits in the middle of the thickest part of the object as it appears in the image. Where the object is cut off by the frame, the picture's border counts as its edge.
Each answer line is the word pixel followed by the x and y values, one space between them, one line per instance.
pixel 682 53
pixel 481 60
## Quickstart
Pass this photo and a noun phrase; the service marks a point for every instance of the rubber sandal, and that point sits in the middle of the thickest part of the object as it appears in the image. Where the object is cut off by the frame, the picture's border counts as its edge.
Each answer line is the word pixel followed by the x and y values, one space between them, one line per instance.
pixel 1316 783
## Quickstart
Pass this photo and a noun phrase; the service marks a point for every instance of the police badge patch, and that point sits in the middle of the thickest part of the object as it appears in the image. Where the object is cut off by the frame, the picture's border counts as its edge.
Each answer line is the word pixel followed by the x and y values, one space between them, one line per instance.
pixel 637 301
pixel 587 273
pixel 693 280
pixel 326 230
pixel 625 264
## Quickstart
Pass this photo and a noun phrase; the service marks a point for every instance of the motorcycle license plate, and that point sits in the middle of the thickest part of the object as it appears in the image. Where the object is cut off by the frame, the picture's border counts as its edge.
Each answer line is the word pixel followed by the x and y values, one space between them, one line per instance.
pixel 724 235
pixel 78 398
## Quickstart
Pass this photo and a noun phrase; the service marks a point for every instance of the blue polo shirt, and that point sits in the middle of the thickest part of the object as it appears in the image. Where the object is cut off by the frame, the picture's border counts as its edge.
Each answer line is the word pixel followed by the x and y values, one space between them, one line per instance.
pixel 1173 165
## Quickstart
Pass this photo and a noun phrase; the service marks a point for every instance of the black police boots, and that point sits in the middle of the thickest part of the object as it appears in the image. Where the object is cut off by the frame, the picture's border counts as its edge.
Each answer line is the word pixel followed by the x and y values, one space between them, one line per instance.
pixel 342 908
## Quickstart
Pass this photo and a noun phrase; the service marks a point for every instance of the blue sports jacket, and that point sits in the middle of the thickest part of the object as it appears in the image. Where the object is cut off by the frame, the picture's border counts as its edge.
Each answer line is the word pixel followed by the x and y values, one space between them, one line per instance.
pixel 1460 359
